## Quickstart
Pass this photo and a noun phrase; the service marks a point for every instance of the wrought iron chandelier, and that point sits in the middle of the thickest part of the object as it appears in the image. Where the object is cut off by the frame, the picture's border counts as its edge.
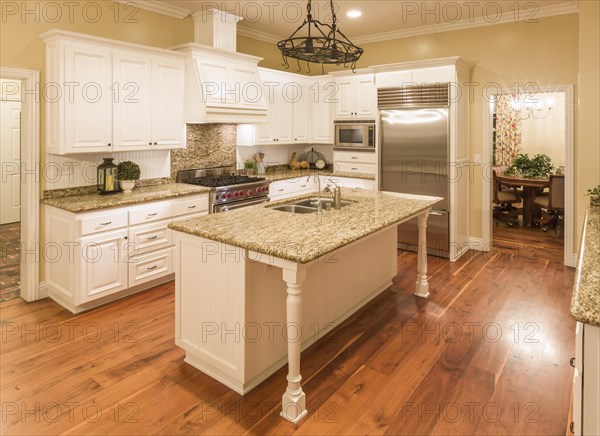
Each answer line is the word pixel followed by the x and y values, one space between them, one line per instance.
pixel 324 44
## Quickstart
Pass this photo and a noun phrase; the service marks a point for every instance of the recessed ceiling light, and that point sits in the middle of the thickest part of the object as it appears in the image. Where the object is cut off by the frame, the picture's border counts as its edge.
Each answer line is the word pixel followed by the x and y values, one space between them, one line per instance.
pixel 354 13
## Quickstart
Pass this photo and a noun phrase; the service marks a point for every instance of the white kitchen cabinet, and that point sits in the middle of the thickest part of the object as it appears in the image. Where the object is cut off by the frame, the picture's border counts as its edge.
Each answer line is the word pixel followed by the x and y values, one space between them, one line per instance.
pixel 116 96
pixel 283 117
pixel 132 109
pixel 168 128
pixel 322 94
pixel 357 96
pixel 96 257
pixel 283 189
pixel 586 380
pixel 348 182
pixel 301 112
pixel 103 265
pixel 86 103
pixel 355 162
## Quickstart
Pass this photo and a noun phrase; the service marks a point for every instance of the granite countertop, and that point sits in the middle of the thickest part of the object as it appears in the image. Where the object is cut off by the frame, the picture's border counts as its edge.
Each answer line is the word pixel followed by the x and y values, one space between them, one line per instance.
pixel 286 174
pixel 585 303
pixel 90 202
pixel 303 238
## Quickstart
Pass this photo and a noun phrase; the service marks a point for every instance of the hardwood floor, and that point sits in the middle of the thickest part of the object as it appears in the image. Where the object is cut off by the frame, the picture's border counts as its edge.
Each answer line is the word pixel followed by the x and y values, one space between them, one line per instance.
pixel 488 353
pixel 10 267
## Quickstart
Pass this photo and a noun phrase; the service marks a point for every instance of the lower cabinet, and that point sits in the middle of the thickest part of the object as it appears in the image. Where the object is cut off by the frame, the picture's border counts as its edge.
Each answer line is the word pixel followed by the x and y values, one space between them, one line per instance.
pixel 586 380
pixel 289 188
pixel 95 257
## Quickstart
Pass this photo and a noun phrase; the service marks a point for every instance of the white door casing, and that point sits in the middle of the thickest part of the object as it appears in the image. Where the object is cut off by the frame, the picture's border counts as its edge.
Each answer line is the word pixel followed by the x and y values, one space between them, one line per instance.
pixel 10 157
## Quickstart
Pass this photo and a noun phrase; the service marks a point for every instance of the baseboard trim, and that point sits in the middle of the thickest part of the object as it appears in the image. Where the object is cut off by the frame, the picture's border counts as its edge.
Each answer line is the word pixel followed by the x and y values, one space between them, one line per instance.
pixel 477 244
pixel 42 290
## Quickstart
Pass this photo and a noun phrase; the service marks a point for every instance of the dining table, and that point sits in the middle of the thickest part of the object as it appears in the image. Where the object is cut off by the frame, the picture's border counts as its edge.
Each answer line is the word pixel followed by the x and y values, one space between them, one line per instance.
pixel 532 187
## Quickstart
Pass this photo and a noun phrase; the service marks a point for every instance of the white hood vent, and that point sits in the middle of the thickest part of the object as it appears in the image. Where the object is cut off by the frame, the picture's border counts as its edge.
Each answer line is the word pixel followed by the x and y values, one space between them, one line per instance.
pixel 222 86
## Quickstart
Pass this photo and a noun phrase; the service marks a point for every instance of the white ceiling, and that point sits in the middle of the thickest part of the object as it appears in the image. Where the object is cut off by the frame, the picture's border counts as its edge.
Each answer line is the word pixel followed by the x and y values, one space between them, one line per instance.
pixel 278 19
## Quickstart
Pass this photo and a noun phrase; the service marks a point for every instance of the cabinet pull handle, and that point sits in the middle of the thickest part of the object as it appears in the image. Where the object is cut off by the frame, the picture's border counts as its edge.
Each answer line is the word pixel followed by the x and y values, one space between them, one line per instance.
pixel 105 224
pixel 152 238
pixel 281 190
pixel 572 427
pixel 150 268
pixel 354 169
pixel 191 207
pixel 303 186
pixel 153 214
pixel 572 362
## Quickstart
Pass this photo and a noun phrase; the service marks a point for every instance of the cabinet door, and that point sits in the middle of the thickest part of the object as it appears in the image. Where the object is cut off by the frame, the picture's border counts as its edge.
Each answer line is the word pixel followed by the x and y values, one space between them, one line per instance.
pixel 345 99
pixel 365 96
pixel 103 265
pixel 132 110
pixel 265 131
pixel 88 99
pixel 323 100
pixel 301 111
pixel 168 81
pixel 283 117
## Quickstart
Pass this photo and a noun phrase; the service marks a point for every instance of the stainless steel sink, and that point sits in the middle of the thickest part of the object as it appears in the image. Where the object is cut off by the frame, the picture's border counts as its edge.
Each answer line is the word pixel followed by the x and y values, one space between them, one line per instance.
pixel 326 203
pixel 295 208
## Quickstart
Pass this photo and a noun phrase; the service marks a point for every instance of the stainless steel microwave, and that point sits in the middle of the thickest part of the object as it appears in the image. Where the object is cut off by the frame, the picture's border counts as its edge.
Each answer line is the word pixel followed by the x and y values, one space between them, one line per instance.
pixel 355 135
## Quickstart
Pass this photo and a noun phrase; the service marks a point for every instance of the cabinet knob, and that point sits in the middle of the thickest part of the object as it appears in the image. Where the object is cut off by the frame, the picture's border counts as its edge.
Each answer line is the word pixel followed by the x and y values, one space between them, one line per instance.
pixel 109 144
pixel 156 143
pixel 149 143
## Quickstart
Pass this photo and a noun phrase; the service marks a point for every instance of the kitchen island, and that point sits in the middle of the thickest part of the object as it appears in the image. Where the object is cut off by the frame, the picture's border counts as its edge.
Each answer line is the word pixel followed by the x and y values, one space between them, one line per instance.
pixel 237 271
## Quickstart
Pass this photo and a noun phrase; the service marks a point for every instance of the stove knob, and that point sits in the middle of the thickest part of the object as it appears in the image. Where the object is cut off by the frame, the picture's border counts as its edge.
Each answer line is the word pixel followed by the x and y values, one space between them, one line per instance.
pixel 236 194
pixel 240 193
pixel 249 193
pixel 259 189
pixel 228 195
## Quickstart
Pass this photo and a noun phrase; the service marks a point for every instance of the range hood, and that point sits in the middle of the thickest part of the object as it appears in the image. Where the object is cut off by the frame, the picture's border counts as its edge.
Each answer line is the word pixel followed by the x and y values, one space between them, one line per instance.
pixel 222 86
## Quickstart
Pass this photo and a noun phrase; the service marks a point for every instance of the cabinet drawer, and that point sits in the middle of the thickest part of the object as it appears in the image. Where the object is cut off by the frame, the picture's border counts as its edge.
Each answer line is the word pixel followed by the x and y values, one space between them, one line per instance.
pixel 355 157
pixel 360 168
pixel 149 237
pixel 150 212
pixel 291 187
pixel 150 266
pixel 193 205
pixel 101 222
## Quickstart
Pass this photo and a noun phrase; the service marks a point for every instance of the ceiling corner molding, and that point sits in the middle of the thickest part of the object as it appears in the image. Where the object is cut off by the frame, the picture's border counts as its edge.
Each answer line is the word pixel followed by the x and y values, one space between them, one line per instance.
pixel 548 11
pixel 158 7
pixel 257 34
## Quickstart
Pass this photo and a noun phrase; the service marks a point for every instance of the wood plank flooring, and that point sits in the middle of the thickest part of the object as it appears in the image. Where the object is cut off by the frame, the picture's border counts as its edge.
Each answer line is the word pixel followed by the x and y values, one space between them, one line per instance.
pixel 488 353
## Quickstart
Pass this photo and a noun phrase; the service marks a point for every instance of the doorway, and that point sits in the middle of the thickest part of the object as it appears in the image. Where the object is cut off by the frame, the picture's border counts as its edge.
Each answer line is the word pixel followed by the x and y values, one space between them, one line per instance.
pixel 518 213
pixel 10 188
pixel 21 181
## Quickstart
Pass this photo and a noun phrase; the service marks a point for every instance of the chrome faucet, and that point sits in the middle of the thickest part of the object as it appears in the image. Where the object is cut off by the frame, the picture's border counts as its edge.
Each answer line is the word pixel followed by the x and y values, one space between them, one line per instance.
pixel 318 203
pixel 336 194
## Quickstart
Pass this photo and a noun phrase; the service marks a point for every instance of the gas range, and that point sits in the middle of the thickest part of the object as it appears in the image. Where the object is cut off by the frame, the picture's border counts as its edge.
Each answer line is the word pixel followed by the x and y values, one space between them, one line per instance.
pixel 230 191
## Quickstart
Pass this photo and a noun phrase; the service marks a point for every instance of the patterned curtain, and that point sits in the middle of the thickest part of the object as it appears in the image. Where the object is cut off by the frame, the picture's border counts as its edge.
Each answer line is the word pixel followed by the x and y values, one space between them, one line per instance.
pixel 508 131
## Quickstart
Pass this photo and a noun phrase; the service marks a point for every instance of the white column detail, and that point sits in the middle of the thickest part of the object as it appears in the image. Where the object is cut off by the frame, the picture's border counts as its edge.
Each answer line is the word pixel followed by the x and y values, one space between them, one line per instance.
pixel 422 287
pixel 293 404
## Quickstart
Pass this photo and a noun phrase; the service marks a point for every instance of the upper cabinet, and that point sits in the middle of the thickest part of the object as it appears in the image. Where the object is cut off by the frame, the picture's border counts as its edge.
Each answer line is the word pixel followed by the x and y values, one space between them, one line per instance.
pixel 105 95
pixel 292 102
pixel 222 86
pixel 357 96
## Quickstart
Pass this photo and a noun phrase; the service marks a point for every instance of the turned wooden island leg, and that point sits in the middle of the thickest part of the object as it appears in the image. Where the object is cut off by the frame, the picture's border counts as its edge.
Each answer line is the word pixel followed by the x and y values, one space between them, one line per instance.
pixel 422 288
pixel 293 404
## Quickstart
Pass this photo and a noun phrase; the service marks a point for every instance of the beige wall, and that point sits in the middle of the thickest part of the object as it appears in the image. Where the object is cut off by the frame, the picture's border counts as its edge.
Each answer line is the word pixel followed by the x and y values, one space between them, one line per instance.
pixel 545 53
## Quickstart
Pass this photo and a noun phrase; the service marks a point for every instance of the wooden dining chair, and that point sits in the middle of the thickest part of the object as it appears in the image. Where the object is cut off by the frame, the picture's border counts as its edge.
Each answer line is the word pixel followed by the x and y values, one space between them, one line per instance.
pixel 552 206
pixel 504 201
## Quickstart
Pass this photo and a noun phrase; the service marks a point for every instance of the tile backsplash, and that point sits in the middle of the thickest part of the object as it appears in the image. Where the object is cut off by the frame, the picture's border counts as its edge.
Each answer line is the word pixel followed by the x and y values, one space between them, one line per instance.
pixel 207 145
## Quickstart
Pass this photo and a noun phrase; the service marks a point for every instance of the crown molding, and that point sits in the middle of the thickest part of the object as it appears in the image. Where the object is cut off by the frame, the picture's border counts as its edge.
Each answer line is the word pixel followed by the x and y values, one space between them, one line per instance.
pixel 258 35
pixel 159 7
pixel 548 11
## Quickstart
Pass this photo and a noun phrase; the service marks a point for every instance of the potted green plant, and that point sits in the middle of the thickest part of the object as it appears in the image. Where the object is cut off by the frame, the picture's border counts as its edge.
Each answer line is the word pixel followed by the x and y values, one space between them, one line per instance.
pixel 594 195
pixel 249 167
pixel 128 172
pixel 538 167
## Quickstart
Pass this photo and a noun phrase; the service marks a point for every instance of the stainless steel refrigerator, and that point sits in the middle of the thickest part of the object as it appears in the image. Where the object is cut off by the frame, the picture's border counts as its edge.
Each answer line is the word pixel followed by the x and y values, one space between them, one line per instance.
pixel 414 159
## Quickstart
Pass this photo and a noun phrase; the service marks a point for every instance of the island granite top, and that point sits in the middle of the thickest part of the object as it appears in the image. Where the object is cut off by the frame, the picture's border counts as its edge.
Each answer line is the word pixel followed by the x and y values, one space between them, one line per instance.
pixel 91 202
pixel 585 303
pixel 304 238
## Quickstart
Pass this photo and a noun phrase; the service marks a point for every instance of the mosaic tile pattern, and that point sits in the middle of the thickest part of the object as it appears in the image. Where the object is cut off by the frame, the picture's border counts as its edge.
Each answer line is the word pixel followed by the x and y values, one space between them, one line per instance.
pixel 303 238
pixel 208 145
pixel 10 268
pixel 585 303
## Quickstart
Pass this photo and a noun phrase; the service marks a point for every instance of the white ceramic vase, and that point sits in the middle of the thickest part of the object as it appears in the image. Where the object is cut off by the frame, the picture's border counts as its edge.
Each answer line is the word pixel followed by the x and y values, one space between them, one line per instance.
pixel 127 186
